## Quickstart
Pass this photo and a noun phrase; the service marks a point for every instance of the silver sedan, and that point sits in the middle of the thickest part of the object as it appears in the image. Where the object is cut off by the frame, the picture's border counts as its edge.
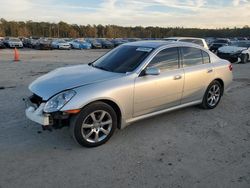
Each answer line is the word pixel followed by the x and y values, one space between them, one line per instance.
pixel 131 82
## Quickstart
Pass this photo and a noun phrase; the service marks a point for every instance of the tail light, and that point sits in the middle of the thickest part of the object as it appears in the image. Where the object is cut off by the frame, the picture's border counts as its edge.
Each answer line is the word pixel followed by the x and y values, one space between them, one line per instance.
pixel 230 67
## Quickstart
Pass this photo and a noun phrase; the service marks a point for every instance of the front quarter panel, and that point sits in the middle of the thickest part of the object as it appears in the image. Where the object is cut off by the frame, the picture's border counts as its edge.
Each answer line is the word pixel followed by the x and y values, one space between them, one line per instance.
pixel 119 91
pixel 247 52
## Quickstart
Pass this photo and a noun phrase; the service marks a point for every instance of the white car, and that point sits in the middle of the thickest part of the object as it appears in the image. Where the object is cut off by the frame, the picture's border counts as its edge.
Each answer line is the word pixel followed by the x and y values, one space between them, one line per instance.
pixel 60 44
pixel 14 43
pixel 200 41
pixel 237 51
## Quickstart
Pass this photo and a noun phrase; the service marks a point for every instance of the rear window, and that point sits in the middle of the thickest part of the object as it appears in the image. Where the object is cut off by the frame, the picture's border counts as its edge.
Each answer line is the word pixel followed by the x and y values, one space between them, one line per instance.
pixel 199 42
pixel 195 41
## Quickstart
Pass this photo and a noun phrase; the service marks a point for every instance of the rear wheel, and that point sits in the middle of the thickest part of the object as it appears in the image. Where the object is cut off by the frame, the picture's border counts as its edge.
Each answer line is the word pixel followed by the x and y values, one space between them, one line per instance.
pixel 94 125
pixel 212 96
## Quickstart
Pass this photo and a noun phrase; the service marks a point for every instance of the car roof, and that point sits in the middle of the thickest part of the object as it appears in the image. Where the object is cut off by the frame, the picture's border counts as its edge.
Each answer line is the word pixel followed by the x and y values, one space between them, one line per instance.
pixel 159 43
pixel 176 38
pixel 149 43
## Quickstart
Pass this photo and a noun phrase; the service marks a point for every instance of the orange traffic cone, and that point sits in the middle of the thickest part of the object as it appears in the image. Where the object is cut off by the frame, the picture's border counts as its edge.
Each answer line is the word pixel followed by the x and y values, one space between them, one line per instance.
pixel 16 55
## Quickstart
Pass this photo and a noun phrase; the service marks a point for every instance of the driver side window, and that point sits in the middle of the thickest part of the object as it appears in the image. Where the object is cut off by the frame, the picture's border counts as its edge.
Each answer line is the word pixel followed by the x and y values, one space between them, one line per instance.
pixel 167 59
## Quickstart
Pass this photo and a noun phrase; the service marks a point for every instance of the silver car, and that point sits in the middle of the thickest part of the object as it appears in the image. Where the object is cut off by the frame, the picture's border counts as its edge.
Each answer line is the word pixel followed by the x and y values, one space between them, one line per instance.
pixel 131 82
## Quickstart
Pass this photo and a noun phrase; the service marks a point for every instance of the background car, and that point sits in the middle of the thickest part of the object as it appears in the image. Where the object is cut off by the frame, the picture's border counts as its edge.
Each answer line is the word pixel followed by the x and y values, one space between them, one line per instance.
pixel 13 43
pixel 106 43
pixel 94 43
pixel 237 51
pixel 218 43
pixel 1 42
pixel 80 44
pixel 133 39
pixel 200 41
pixel 60 44
pixel 118 41
pixel 30 42
pixel 43 44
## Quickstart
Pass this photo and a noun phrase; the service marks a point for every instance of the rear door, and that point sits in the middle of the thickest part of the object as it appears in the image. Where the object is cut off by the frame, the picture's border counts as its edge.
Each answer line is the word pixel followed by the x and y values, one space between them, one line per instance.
pixel 156 92
pixel 199 72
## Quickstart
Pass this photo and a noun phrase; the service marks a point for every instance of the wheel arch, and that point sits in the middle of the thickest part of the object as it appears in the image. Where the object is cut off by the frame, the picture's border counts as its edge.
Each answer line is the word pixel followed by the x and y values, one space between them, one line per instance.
pixel 115 106
pixel 221 83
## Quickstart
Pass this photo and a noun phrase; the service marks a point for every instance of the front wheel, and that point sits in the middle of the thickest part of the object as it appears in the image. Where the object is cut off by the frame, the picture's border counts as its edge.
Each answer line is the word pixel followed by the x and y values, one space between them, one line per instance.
pixel 94 125
pixel 244 58
pixel 212 96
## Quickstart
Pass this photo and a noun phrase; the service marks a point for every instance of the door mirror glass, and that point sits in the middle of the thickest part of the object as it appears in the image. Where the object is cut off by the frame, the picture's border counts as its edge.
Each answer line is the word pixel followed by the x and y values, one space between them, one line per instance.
pixel 152 71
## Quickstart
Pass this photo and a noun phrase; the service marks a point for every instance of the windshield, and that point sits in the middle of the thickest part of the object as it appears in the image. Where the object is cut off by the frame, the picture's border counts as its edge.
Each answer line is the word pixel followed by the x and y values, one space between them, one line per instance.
pixel 241 44
pixel 15 40
pixel 123 59
pixel 170 39
pixel 61 41
pixel 220 41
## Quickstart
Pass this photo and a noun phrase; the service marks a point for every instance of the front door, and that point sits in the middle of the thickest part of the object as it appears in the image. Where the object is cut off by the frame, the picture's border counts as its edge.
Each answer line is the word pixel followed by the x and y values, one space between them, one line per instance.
pixel 157 92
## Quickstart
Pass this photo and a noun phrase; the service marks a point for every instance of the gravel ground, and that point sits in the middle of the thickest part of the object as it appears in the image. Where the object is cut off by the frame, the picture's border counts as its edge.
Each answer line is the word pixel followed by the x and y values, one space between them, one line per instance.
pixel 186 148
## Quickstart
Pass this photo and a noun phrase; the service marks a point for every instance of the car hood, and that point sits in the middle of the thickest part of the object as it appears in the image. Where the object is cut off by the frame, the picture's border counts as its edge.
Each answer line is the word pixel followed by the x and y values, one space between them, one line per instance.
pixel 231 49
pixel 63 43
pixel 15 42
pixel 67 78
pixel 84 43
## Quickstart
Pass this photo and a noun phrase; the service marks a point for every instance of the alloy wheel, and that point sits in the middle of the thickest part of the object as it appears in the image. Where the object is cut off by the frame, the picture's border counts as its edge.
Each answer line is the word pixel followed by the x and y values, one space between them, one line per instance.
pixel 96 126
pixel 213 95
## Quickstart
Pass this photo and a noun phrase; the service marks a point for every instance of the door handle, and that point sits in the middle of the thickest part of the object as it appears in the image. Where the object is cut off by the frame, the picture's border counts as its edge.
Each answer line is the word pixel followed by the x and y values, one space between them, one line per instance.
pixel 177 77
pixel 210 70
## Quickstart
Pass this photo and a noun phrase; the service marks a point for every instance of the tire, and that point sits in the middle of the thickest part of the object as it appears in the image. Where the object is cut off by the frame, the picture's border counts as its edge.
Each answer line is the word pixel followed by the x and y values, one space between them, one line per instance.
pixel 244 58
pixel 212 95
pixel 90 133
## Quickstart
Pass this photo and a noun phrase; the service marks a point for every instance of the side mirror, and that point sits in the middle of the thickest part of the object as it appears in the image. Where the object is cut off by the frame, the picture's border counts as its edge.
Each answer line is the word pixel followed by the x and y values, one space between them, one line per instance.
pixel 152 71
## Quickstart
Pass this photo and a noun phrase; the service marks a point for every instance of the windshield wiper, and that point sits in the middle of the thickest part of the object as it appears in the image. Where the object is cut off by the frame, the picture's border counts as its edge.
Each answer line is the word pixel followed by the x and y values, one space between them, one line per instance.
pixel 102 68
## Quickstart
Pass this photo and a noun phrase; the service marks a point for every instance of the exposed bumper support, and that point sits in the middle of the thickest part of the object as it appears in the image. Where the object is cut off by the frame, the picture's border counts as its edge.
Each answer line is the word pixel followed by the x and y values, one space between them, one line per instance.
pixel 37 115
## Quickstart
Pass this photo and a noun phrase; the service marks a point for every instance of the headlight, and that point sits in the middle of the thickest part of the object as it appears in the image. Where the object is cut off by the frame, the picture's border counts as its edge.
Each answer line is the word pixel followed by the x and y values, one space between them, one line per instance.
pixel 58 101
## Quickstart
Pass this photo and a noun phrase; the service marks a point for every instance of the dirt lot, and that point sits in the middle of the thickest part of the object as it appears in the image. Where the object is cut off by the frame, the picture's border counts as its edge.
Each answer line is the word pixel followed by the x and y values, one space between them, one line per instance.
pixel 186 148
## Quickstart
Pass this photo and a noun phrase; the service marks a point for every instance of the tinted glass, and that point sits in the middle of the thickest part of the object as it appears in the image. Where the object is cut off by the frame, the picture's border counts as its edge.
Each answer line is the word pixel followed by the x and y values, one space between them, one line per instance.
pixel 186 40
pixel 170 39
pixel 199 42
pixel 123 59
pixel 220 41
pixel 206 57
pixel 167 59
pixel 191 56
pixel 241 44
pixel 195 41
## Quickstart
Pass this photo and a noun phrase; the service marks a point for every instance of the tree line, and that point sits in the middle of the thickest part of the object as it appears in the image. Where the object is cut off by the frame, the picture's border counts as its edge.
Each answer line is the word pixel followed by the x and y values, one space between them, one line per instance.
pixel 65 30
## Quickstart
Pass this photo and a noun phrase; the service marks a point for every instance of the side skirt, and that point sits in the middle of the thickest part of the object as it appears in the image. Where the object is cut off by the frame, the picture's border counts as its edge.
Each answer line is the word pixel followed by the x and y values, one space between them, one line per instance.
pixel 129 121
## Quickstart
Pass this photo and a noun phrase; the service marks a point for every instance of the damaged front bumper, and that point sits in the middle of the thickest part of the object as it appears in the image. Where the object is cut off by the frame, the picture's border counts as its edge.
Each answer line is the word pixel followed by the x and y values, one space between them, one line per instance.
pixel 34 112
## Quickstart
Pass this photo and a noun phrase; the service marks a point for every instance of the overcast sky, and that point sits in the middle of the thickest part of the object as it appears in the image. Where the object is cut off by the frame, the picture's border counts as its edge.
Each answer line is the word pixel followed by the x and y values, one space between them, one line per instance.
pixel 186 13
